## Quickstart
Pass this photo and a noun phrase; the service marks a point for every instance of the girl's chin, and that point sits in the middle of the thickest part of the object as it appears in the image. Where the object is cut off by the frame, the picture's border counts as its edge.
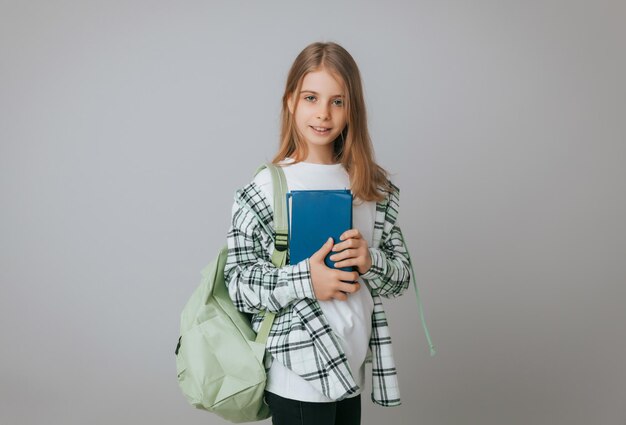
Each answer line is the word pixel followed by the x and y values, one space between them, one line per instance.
pixel 319 143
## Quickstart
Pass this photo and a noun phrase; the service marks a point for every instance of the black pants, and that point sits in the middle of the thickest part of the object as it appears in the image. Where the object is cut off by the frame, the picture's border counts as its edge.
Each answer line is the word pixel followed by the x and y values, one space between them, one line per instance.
pixel 286 411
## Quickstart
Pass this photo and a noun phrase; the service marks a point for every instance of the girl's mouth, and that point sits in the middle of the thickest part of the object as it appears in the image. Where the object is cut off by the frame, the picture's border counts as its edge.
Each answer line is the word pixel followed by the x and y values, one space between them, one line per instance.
pixel 320 130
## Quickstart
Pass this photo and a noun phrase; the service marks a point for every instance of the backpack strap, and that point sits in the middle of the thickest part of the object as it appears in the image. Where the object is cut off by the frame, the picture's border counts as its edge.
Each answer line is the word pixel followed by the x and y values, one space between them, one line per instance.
pixel 281 241
pixel 279 258
pixel 433 350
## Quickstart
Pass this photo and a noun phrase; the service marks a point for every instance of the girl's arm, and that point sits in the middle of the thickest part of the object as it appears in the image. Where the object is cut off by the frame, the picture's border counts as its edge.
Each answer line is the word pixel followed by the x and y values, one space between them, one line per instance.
pixel 390 273
pixel 254 283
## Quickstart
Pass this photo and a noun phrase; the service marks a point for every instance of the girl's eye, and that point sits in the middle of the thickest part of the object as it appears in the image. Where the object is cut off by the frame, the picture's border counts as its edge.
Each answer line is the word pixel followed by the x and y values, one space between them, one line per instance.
pixel 338 102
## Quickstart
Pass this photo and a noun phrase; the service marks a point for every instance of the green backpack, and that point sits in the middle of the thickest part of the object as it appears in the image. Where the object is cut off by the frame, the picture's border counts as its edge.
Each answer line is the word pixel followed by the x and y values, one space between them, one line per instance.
pixel 219 358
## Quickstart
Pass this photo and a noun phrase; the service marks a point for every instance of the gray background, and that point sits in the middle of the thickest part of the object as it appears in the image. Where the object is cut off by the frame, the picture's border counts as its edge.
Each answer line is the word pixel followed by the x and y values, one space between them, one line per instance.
pixel 126 127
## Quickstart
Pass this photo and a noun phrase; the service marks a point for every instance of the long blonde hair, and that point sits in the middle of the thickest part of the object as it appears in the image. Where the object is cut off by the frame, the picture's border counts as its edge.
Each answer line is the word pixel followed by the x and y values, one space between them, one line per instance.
pixel 353 147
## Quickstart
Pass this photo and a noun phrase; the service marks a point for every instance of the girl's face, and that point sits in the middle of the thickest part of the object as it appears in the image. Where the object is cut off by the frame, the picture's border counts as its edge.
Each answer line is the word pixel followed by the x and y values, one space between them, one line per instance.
pixel 321 113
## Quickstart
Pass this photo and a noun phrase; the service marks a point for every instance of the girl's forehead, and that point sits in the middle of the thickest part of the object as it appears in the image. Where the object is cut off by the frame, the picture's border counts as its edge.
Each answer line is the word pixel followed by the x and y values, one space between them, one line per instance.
pixel 324 82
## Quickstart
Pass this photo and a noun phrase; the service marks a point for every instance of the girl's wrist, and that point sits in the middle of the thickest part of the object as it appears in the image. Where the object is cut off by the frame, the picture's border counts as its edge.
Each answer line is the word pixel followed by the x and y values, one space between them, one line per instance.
pixel 368 264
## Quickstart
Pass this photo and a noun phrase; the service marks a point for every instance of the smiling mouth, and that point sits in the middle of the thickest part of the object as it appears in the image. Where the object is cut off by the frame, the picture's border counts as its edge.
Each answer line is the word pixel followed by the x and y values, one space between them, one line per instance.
pixel 321 130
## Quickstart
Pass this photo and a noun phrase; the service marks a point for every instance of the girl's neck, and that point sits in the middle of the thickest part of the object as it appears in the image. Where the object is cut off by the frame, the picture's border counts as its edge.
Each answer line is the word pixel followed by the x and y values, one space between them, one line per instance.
pixel 317 157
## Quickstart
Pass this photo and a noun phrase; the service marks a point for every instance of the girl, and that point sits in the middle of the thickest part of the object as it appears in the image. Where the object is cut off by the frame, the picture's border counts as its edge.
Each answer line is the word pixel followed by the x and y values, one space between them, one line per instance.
pixel 325 329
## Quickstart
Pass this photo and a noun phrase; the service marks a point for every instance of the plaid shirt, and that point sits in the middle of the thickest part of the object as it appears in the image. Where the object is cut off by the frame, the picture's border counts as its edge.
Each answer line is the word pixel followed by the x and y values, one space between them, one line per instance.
pixel 301 338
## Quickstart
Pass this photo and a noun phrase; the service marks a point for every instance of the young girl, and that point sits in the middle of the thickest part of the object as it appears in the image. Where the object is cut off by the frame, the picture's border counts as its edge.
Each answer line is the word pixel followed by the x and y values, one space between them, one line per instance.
pixel 325 329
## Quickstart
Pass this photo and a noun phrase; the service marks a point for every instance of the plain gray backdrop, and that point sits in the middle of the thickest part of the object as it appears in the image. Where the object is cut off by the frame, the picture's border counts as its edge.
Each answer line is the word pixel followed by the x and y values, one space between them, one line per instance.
pixel 126 127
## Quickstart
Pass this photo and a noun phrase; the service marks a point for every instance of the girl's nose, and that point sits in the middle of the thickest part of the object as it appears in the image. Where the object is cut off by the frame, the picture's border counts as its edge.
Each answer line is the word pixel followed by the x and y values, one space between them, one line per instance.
pixel 323 113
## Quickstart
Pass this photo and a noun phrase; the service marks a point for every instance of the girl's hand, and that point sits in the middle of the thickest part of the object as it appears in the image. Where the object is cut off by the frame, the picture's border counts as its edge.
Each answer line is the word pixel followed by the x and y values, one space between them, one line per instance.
pixel 355 251
pixel 327 282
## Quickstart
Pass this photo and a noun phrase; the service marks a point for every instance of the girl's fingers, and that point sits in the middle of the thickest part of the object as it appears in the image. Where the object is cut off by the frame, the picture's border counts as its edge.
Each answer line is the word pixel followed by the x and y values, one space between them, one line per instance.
pixel 350 243
pixel 348 253
pixel 345 263
pixel 349 288
pixel 340 296
pixel 352 233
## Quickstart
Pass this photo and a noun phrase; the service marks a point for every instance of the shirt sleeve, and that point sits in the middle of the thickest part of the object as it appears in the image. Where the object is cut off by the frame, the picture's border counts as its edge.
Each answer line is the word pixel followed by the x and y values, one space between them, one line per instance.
pixel 254 283
pixel 390 272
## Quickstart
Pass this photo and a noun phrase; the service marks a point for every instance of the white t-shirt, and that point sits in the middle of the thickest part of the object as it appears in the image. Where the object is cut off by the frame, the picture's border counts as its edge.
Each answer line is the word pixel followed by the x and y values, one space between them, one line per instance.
pixel 351 320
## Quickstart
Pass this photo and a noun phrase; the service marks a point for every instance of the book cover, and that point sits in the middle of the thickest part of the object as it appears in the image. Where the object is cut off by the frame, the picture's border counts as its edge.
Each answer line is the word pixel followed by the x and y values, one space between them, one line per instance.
pixel 313 217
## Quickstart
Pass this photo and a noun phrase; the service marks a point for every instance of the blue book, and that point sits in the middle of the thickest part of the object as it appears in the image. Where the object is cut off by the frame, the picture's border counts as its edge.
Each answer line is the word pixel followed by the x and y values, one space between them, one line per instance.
pixel 313 217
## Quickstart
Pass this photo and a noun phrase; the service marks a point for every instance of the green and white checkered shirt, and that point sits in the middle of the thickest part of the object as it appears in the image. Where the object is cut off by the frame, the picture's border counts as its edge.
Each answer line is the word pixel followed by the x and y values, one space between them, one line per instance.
pixel 301 338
